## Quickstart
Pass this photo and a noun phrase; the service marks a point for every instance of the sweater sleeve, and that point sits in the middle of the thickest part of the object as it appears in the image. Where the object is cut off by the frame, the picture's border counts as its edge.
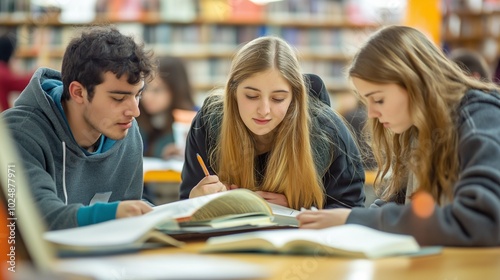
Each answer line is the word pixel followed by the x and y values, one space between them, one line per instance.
pixel 196 142
pixel 99 212
pixel 473 217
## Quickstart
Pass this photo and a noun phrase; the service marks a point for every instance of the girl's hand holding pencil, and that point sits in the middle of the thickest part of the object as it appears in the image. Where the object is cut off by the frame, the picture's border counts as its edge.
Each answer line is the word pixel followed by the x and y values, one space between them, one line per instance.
pixel 209 184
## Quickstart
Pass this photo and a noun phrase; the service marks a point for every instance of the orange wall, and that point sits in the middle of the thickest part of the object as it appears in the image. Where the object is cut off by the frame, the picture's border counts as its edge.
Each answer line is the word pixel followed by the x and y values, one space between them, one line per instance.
pixel 425 15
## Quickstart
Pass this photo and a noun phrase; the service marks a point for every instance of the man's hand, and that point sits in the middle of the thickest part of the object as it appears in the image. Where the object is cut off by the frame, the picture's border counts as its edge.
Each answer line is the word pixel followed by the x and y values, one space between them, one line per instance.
pixel 130 208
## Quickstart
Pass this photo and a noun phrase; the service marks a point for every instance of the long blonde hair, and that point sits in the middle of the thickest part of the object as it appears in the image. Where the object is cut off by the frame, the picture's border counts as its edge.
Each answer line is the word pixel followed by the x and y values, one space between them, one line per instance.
pixel 435 85
pixel 290 169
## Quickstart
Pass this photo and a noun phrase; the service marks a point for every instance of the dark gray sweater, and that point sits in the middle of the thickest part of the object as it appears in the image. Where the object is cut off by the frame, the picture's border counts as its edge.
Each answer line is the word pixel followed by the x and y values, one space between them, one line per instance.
pixel 473 217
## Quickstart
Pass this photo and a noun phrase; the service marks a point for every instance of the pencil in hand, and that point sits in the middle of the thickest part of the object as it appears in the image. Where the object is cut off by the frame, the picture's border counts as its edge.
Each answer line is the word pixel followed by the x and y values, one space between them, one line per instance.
pixel 202 164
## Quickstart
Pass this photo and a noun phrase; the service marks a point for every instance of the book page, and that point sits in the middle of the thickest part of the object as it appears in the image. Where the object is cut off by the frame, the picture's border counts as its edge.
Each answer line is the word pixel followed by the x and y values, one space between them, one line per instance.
pixel 239 201
pixel 278 238
pixel 372 243
pixel 184 208
pixel 348 240
pixel 233 221
pixel 117 232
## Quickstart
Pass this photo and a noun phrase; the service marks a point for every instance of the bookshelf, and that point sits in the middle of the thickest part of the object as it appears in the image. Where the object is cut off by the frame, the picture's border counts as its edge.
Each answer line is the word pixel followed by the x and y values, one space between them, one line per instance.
pixel 473 25
pixel 205 33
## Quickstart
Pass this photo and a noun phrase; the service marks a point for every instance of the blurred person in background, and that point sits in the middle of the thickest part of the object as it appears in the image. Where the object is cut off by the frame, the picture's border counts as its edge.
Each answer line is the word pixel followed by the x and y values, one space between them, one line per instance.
pixel 473 63
pixel 10 81
pixel 166 99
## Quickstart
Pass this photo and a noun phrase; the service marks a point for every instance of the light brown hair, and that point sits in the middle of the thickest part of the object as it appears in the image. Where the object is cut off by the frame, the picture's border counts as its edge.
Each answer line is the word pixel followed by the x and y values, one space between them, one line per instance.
pixel 435 85
pixel 291 168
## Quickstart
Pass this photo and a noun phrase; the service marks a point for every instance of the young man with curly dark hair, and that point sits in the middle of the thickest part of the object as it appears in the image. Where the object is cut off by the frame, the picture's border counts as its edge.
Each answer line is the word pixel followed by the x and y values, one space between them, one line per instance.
pixel 77 134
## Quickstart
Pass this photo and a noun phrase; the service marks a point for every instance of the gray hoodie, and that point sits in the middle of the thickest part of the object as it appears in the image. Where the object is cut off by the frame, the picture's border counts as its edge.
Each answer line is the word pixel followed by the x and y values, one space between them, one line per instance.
pixel 64 178
pixel 473 217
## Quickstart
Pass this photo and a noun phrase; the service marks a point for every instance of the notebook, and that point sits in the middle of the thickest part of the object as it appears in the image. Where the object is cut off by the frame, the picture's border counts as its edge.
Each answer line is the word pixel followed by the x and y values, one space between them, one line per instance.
pixel 38 258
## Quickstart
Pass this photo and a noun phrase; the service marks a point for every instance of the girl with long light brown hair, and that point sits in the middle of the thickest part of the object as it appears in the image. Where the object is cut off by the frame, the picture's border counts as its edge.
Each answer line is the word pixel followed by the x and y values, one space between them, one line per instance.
pixel 270 133
pixel 435 135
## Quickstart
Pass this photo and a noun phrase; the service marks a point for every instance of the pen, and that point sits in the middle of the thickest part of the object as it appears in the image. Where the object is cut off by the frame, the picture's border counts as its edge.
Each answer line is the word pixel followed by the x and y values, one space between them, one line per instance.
pixel 202 164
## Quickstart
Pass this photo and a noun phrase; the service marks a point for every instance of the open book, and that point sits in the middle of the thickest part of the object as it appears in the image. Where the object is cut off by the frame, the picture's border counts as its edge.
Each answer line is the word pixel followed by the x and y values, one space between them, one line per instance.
pixel 281 217
pixel 346 240
pixel 221 210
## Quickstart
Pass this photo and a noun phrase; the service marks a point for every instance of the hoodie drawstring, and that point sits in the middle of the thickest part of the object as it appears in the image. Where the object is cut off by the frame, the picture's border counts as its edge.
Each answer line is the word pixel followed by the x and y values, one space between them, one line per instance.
pixel 64 174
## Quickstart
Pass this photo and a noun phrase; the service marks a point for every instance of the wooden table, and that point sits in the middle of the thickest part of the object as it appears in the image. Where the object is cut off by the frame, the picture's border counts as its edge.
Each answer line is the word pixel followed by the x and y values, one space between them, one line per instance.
pixel 162 176
pixel 170 176
pixel 451 264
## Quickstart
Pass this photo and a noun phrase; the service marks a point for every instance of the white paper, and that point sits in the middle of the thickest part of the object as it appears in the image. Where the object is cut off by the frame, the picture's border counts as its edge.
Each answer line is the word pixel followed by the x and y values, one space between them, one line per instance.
pixel 174 266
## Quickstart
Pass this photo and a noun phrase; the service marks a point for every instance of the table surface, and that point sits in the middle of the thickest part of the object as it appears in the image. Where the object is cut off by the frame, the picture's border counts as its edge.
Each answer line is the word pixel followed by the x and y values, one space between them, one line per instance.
pixel 171 176
pixel 450 264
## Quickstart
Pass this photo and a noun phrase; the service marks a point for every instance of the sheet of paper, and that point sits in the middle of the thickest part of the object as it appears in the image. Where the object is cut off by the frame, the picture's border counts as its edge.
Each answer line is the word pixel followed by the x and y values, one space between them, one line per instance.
pixel 175 266
pixel 105 234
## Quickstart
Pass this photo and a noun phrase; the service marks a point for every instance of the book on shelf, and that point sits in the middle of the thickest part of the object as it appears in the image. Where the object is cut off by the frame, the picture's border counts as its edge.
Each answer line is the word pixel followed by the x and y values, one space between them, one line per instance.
pixel 174 10
pixel 216 10
pixel 16 10
pixel 78 12
pixel 222 210
pixel 246 10
pixel 129 10
pixel 346 240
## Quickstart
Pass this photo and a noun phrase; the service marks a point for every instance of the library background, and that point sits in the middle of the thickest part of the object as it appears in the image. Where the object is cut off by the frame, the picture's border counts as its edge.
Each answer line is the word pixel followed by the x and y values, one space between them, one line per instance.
pixel 206 33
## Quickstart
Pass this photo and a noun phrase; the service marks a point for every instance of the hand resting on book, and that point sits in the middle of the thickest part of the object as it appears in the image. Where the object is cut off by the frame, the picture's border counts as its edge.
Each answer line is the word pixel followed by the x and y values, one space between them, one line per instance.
pixel 323 218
